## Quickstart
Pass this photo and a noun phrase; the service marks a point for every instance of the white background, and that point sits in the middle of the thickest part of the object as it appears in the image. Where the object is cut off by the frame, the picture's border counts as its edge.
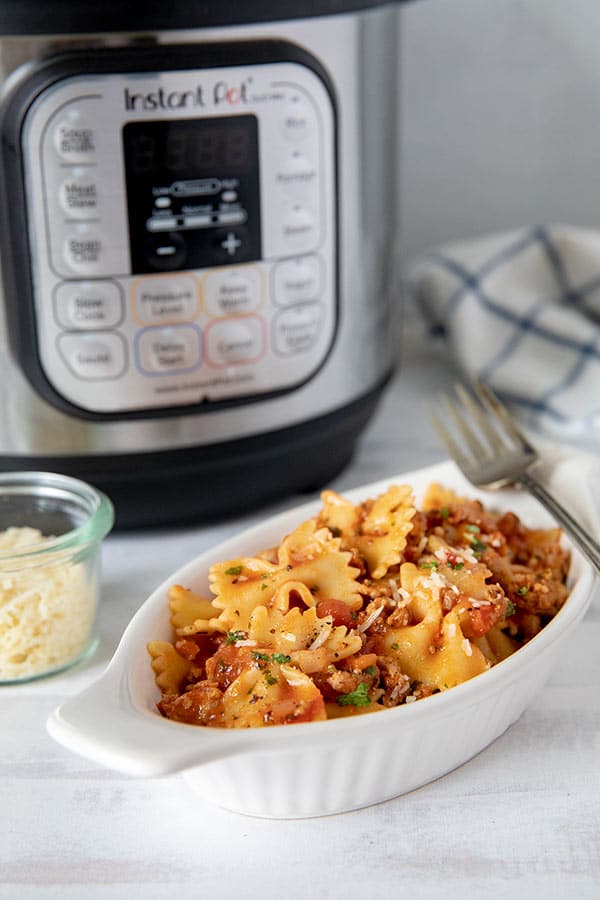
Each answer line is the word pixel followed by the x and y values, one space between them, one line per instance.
pixel 500 116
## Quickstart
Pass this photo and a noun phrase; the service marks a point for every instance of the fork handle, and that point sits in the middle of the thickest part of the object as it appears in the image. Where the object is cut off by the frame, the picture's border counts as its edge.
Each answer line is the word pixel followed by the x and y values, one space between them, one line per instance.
pixel 586 543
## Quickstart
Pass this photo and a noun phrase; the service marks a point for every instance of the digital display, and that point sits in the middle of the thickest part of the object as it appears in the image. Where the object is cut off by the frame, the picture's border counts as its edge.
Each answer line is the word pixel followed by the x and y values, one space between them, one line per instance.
pixel 191 148
pixel 193 193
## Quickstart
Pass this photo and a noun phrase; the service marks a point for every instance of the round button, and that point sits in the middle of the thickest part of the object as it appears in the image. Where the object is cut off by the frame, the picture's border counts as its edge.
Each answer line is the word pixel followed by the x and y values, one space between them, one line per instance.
pixel 165 299
pixel 166 251
pixel 88 305
pixel 297 175
pixel 299 229
pixel 296 329
pixel 75 138
pixel 297 119
pixel 235 341
pixel 168 350
pixel 232 291
pixel 297 280
pixel 83 251
pixel 78 197
pixel 93 357
pixel 230 244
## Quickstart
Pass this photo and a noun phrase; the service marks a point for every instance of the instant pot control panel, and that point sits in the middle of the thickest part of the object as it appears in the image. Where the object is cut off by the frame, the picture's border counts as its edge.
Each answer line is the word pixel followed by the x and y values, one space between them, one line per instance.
pixel 180 233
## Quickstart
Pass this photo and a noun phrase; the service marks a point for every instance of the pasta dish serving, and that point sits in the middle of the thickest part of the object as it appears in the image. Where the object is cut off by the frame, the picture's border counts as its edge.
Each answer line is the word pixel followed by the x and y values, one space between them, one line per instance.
pixel 361 608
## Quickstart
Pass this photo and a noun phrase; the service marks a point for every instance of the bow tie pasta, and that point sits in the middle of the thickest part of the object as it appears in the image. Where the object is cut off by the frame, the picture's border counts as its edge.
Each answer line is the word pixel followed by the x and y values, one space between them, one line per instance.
pixel 361 608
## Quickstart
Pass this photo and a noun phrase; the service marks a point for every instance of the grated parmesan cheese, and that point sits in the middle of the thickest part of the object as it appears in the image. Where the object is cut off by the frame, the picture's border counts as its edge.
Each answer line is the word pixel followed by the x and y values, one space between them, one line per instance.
pixel 47 608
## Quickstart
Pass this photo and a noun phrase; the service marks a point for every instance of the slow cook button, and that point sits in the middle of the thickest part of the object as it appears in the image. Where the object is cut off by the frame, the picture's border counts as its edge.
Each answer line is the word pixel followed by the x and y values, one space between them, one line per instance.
pixel 296 328
pixel 79 197
pixel 232 291
pixel 235 341
pixel 299 228
pixel 169 350
pixel 158 300
pixel 94 357
pixel 85 305
pixel 297 280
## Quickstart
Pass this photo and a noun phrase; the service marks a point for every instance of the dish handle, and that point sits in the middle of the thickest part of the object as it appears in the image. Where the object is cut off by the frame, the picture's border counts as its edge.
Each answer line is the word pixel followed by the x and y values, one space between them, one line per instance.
pixel 105 725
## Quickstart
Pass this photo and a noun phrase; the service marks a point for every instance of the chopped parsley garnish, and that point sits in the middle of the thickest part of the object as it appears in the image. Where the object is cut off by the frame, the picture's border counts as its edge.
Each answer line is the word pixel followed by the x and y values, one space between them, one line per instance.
pixel 394 646
pixel 478 547
pixel 281 658
pixel 270 679
pixel 264 586
pixel 474 528
pixel 359 697
pixel 234 570
pixel 510 609
pixel 233 636
pixel 429 565
pixel 445 512
pixel 457 565
pixel 523 591
pixel 371 670
pixel 258 655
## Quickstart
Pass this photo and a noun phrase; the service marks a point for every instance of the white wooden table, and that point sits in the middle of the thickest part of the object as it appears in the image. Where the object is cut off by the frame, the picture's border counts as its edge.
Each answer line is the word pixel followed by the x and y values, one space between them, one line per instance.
pixel 520 820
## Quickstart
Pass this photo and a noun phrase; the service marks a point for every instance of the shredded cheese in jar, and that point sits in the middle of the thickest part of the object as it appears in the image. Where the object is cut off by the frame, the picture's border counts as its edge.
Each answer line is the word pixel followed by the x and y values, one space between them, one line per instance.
pixel 47 607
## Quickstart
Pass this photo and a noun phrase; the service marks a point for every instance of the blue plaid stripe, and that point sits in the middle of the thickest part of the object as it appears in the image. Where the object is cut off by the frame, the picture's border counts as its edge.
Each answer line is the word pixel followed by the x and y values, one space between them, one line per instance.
pixel 471 285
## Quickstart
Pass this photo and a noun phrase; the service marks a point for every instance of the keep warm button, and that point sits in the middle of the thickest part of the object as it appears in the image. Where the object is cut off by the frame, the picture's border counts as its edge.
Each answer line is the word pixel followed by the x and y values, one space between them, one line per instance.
pixel 94 357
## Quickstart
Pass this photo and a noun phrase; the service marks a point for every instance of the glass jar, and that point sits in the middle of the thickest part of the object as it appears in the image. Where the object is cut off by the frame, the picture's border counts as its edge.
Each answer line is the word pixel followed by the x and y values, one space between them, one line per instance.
pixel 51 529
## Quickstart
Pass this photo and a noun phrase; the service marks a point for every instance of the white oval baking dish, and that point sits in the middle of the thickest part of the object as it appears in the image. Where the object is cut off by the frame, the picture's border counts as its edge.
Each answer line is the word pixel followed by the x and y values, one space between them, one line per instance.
pixel 317 768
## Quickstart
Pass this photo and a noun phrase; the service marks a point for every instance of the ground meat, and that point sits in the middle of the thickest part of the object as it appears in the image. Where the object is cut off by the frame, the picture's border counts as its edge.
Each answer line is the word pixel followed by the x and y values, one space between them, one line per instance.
pixel 537 592
pixel 201 704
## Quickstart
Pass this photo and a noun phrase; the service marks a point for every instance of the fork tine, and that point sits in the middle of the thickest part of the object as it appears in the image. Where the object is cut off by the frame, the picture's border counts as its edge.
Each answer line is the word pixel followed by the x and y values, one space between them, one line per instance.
pixel 447 439
pixel 479 415
pixel 464 429
pixel 497 409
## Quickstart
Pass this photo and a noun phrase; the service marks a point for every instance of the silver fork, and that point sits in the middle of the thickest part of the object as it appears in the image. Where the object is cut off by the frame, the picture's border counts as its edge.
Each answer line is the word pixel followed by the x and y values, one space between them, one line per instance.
pixel 492 453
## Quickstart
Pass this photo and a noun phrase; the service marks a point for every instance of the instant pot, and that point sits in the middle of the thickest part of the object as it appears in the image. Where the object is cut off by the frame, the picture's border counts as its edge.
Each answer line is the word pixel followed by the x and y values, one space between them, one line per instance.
pixel 198 245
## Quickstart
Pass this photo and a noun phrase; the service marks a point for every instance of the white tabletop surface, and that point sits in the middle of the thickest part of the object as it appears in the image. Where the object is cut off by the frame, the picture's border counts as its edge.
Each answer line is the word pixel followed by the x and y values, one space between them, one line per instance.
pixel 522 819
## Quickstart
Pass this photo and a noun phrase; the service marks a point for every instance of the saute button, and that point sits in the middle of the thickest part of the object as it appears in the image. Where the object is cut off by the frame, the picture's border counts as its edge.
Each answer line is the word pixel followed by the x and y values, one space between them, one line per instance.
pixel 169 350
pixel 75 138
pixel 165 299
pixel 86 305
pixel 93 357
pixel 296 328
pixel 235 341
pixel 295 280
pixel 232 291
pixel 79 197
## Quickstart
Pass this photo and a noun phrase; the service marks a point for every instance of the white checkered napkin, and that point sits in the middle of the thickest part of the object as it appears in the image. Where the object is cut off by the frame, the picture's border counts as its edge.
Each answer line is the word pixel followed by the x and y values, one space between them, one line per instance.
pixel 521 311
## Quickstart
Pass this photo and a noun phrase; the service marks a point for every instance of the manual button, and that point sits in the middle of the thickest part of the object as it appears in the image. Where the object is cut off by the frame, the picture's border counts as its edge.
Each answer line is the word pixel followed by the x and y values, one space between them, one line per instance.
pixel 94 357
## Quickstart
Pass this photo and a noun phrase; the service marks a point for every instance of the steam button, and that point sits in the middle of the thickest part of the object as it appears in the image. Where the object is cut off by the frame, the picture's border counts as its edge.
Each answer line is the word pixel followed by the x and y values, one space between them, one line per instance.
pixel 299 228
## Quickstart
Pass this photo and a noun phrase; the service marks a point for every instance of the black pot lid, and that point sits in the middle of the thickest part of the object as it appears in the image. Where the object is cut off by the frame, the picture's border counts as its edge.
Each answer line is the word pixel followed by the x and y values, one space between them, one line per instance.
pixel 28 17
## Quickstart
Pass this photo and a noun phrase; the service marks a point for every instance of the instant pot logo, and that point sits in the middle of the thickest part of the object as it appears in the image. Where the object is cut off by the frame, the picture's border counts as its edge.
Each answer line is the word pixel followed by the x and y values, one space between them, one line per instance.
pixel 222 93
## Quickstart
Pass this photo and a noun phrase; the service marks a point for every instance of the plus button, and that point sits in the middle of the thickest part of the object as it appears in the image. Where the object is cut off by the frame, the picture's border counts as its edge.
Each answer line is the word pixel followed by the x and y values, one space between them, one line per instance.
pixel 231 243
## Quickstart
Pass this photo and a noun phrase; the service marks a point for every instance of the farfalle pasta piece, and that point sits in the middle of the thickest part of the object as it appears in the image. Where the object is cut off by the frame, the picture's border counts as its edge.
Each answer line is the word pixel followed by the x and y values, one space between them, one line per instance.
pixel 191 613
pixel 278 695
pixel 309 556
pixel 438 497
pixel 377 529
pixel 170 669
